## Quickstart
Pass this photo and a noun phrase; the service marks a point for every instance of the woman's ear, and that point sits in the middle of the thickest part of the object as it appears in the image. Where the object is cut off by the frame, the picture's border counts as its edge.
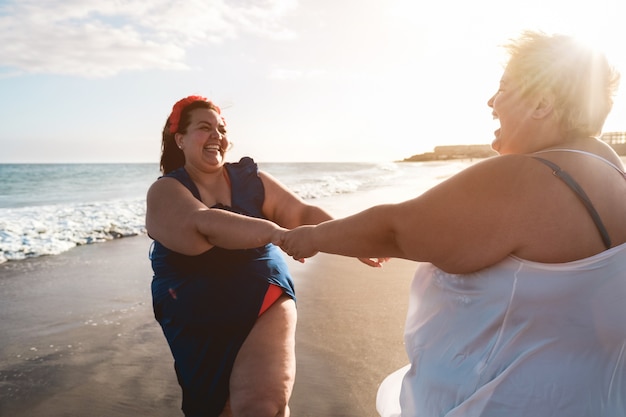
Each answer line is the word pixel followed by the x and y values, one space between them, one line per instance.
pixel 545 106
pixel 178 138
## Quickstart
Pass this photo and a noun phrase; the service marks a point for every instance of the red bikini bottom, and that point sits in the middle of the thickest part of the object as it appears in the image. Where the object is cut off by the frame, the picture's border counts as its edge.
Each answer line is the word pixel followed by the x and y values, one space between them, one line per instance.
pixel 271 296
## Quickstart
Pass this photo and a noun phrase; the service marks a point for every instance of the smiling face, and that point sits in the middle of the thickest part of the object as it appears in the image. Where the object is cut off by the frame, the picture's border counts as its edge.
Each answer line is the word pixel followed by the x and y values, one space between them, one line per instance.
pixel 204 143
pixel 554 89
pixel 517 114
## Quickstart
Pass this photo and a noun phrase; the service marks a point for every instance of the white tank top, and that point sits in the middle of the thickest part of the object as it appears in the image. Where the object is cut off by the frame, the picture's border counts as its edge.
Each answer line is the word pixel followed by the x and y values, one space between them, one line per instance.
pixel 518 338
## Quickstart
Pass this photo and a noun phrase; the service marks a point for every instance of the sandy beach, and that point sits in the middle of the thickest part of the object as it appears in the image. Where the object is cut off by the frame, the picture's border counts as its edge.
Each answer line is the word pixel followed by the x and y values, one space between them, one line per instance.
pixel 79 337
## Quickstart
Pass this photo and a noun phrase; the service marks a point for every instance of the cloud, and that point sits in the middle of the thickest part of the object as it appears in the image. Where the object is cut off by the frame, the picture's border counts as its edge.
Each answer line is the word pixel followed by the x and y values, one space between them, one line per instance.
pixel 74 37
pixel 294 74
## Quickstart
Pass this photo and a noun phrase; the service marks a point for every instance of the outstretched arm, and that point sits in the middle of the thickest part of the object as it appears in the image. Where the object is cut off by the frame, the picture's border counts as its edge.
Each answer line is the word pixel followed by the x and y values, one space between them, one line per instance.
pixel 366 234
pixel 468 222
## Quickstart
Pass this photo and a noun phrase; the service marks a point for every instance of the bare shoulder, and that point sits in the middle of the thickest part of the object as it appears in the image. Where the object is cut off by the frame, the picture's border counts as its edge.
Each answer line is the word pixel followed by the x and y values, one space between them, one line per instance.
pixel 165 186
pixel 606 151
pixel 168 199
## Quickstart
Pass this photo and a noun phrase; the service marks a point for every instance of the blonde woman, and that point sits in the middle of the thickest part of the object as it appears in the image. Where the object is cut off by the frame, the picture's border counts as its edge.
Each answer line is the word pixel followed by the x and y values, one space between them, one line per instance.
pixel 518 305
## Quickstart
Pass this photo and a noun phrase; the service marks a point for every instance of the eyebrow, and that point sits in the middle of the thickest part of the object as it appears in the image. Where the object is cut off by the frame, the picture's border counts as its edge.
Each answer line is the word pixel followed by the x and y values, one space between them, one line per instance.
pixel 202 123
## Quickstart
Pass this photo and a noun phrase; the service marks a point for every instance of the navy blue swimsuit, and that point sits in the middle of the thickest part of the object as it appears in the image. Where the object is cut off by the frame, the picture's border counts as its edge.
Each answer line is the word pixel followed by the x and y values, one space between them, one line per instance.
pixel 207 304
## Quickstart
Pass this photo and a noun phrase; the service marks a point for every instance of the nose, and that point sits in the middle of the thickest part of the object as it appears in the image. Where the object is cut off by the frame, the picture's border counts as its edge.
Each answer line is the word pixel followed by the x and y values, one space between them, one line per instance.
pixel 222 137
pixel 490 101
pixel 216 133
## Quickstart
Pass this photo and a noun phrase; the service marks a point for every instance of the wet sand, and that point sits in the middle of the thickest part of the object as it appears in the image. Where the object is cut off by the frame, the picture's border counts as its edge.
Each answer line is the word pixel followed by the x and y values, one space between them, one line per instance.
pixel 79 338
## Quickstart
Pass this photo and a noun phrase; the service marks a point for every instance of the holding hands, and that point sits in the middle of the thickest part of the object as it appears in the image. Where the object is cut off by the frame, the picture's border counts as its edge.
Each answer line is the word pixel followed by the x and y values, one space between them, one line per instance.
pixel 299 243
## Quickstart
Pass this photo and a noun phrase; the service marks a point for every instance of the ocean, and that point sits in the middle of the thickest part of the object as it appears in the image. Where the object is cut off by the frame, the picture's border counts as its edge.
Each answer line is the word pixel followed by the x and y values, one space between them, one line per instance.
pixel 47 209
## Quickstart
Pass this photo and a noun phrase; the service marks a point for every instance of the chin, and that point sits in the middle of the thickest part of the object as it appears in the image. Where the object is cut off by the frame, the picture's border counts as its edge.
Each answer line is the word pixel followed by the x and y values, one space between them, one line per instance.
pixel 495 145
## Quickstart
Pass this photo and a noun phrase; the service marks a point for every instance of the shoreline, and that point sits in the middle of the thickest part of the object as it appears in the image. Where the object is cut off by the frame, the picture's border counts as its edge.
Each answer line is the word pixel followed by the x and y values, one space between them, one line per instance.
pixel 79 336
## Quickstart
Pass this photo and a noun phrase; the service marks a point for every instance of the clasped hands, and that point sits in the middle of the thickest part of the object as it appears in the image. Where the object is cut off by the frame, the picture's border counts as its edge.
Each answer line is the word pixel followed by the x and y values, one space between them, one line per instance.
pixel 299 243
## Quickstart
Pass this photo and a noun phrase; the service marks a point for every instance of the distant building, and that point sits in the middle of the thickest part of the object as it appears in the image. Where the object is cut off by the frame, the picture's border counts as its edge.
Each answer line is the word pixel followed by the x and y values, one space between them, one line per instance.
pixel 614 138
pixel 617 140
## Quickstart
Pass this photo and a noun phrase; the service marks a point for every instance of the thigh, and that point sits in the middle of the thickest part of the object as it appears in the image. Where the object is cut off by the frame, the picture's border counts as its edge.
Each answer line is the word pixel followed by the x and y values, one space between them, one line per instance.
pixel 265 367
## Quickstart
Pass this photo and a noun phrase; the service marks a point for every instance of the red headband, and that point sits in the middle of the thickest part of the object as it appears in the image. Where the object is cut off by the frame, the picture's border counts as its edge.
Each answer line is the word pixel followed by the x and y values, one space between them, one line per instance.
pixel 180 106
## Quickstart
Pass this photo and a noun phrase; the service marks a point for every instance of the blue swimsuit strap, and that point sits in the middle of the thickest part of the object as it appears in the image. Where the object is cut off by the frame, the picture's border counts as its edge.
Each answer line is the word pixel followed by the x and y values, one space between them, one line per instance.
pixel 574 186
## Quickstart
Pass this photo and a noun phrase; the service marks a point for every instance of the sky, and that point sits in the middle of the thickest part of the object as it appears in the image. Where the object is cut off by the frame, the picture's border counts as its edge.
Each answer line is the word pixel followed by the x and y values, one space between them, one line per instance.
pixel 298 80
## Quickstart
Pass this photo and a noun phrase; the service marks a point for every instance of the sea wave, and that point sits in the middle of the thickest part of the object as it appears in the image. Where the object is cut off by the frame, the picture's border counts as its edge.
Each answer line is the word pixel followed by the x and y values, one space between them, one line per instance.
pixel 50 230
pixel 312 181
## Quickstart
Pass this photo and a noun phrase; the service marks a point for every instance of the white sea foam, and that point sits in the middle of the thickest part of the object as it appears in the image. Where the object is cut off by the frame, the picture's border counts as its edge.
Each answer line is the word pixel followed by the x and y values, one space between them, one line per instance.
pixel 53 229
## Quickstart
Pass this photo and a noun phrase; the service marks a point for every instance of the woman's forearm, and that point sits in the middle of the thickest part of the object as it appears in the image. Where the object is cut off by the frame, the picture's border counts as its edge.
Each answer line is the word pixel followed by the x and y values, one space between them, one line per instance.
pixel 367 234
pixel 234 231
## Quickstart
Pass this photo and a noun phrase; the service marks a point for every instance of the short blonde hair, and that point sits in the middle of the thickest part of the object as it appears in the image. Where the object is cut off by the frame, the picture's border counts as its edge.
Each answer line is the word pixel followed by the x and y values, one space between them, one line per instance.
pixel 582 79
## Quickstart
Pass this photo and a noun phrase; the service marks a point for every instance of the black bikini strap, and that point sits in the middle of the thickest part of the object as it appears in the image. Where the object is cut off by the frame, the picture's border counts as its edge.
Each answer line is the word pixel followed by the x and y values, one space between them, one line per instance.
pixel 574 186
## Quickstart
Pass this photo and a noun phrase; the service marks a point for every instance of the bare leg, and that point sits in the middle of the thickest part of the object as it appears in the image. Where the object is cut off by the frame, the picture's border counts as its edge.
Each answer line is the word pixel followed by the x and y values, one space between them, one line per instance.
pixel 264 371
